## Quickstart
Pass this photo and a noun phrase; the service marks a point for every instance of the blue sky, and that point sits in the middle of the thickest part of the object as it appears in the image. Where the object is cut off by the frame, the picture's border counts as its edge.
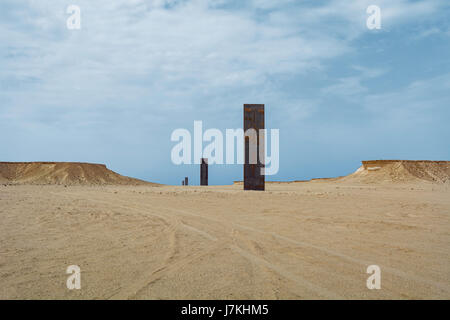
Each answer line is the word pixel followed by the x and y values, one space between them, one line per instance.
pixel 113 91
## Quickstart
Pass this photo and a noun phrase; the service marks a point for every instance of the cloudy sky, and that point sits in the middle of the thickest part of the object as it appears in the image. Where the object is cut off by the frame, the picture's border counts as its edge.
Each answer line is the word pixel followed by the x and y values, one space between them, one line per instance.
pixel 113 91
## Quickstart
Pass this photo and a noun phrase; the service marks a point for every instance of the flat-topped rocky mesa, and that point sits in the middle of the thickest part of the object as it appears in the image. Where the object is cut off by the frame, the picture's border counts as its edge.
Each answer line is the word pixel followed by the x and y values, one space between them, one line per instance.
pixel 390 171
pixel 63 173
pixel 376 171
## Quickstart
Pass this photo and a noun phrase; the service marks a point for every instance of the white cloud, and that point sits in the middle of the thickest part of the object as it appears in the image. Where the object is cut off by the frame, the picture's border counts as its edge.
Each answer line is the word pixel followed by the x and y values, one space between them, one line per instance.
pixel 351 87
pixel 420 102
pixel 142 48
pixel 160 55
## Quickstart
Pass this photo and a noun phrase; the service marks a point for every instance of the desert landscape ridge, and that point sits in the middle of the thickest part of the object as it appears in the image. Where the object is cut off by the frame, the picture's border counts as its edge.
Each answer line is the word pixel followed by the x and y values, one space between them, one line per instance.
pixel 386 171
pixel 308 240
pixel 64 173
pixel 79 173
pixel 373 171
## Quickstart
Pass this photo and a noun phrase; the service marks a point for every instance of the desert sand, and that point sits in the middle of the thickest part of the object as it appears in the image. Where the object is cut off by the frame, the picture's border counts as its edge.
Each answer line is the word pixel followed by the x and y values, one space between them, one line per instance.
pixel 299 240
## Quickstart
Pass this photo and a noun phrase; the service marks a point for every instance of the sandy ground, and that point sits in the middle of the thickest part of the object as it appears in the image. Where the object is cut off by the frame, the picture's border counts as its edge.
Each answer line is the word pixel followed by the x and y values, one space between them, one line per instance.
pixel 294 241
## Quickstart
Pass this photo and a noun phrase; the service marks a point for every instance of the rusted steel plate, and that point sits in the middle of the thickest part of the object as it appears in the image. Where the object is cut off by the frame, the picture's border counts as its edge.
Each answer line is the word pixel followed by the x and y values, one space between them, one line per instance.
pixel 253 119
pixel 204 172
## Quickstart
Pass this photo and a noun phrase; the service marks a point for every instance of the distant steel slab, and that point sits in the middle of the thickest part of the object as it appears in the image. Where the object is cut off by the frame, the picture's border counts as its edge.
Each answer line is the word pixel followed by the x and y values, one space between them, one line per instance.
pixel 204 172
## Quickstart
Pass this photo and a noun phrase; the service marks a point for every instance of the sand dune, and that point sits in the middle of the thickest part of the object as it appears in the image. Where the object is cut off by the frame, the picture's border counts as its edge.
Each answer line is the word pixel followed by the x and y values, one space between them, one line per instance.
pixel 66 173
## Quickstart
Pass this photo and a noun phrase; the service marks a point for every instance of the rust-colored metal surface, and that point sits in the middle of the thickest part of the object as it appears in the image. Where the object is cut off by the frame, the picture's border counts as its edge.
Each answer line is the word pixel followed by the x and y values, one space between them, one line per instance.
pixel 253 166
pixel 204 172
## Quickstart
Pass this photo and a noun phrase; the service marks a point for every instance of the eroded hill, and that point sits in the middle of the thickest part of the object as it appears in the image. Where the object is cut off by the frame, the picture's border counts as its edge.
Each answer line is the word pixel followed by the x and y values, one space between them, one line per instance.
pixel 378 171
pixel 64 173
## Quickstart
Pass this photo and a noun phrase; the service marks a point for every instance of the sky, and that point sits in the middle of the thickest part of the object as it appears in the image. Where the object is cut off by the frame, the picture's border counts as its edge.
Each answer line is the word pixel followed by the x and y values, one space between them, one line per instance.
pixel 114 90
